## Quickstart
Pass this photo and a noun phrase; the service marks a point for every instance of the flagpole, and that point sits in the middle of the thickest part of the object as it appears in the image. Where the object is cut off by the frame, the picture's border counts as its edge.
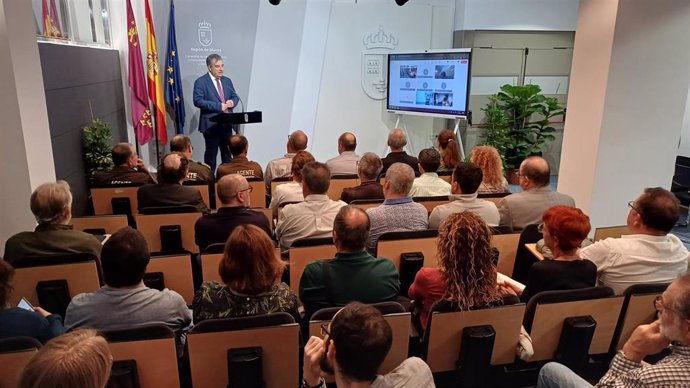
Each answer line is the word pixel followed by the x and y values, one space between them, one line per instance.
pixel 155 137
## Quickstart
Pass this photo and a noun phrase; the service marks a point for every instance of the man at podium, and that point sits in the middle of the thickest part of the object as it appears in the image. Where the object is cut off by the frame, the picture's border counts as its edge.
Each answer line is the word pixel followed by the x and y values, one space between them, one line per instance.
pixel 213 94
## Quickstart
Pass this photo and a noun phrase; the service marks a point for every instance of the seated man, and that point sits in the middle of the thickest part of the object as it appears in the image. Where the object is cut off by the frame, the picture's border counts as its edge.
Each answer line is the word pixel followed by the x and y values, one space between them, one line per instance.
pixel 650 254
pixel 525 208
pixel 239 147
pixel 128 170
pixel 233 194
pixel 313 217
pixel 354 346
pixel 169 191
pixel 429 184
pixel 51 204
pixel 280 168
pixel 198 172
pixel 125 301
pixel 466 180
pixel 354 274
pixel 346 162
pixel 398 213
pixel 368 172
pixel 627 368
pixel 397 140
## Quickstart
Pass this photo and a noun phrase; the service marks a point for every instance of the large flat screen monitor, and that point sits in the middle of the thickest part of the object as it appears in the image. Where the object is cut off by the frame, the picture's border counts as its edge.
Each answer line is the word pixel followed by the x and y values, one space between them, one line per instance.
pixel 430 83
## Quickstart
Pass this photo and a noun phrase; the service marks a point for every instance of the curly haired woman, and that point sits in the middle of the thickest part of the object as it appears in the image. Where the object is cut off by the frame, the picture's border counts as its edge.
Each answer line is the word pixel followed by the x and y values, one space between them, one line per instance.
pixel 488 159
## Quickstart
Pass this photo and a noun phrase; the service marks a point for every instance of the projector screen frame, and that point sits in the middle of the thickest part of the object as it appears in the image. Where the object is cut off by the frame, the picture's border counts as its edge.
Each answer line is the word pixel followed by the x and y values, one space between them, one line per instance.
pixel 426 113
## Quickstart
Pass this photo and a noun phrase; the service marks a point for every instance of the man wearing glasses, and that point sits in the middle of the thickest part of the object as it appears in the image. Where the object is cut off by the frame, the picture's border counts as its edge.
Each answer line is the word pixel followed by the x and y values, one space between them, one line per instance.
pixel 354 345
pixel 649 254
pixel 234 195
pixel 672 328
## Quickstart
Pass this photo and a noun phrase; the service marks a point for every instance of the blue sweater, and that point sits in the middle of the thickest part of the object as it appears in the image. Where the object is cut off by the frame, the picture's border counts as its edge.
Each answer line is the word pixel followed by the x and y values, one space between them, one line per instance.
pixel 15 322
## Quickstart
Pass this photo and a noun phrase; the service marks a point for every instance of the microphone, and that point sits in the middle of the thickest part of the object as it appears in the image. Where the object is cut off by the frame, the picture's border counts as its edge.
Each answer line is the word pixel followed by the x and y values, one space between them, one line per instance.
pixel 241 102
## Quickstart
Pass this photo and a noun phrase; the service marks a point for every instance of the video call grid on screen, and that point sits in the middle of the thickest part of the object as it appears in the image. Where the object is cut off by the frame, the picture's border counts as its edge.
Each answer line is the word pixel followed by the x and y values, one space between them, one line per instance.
pixel 428 82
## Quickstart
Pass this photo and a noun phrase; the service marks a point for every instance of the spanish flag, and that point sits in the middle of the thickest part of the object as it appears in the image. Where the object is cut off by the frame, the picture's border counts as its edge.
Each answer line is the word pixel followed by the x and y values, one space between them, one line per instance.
pixel 51 25
pixel 155 81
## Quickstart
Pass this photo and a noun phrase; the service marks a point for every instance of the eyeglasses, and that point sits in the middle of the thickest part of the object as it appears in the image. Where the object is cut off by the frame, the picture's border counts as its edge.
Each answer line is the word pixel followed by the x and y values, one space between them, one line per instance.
pixel 324 330
pixel 540 228
pixel 659 305
pixel 632 206
pixel 250 189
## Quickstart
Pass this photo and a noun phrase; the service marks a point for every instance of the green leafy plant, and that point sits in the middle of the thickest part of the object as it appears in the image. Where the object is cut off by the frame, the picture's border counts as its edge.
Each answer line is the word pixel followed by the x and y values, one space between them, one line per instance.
pixel 510 127
pixel 96 147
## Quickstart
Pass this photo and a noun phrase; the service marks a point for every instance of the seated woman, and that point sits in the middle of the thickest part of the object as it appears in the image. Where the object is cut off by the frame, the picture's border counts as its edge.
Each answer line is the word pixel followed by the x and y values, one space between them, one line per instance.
pixel 251 274
pixel 291 192
pixel 466 273
pixel 564 228
pixel 488 159
pixel 449 149
pixel 18 322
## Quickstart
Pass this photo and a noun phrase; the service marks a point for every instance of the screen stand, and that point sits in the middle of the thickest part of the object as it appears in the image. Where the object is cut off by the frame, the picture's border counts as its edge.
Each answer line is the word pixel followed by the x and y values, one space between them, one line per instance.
pixel 400 119
pixel 458 137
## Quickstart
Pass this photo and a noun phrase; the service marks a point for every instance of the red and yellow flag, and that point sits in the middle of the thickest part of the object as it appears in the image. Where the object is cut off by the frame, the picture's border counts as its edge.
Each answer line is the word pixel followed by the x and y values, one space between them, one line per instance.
pixel 155 80
pixel 51 25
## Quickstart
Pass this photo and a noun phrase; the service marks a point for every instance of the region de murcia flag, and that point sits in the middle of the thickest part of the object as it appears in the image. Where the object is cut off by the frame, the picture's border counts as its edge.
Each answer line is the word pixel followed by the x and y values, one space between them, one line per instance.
pixel 141 114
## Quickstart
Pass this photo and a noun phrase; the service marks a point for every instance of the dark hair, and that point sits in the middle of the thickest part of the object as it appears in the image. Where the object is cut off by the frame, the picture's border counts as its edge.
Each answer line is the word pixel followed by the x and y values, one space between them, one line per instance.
pixel 362 339
pixel 567 224
pixel 124 258
pixel 658 208
pixel 450 148
pixel 6 274
pixel 121 153
pixel 317 177
pixel 351 233
pixel 250 265
pixel 468 176
pixel 532 170
pixel 211 59
pixel 237 144
pixel 300 159
pixel 180 143
pixel 430 160
pixel 169 174
pixel 348 141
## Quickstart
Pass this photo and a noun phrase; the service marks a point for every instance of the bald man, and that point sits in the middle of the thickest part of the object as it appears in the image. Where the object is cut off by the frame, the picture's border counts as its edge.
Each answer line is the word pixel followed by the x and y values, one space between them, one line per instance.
pixel 397 140
pixel 346 162
pixel 525 208
pixel 169 190
pixel 233 193
pixel 281 167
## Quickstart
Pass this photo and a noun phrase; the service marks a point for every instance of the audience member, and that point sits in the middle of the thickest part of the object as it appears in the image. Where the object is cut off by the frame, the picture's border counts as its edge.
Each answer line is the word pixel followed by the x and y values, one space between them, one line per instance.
pixel 251 272
pixel 368 171
pixel 398 212
pixel 525 208
pixel 128 169
pixel 650 254
pixel 234 196
pixel 239 147
pixel 466 180
pixel 488 159
pixel 354 345
pixel 449 148
pixel 564 228
pixel 169 191
pixel 429 184
pixel 466 273
pixel 627 368
pixel 281 167
pixel 313 217
pixel 291 191
pixel 346 162
pixel 18 322
pixel 397 140
pixel 125 301
pixel 51 204
pixel 80 359
pixel 198 172
pixel 354 274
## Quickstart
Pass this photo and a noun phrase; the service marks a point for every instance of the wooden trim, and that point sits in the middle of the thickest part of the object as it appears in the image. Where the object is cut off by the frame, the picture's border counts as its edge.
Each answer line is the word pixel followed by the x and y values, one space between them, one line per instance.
pixel 640 311
pixel 391 249
pixel 507 245
pixel 111 223
pixel 81 277
pixel 156 361
pixel 611 231
pixel 102 197
pixel 149 226
pixel 12 365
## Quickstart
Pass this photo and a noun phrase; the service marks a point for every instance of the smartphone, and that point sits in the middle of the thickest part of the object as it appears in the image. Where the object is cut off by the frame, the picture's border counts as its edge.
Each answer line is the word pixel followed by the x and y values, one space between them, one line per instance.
pixel 24 304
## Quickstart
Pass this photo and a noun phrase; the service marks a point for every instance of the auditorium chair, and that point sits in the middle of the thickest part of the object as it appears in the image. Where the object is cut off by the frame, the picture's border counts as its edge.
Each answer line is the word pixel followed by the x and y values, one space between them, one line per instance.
pixel 205 189
pixel 257 197
pixel 611 231
pixel 105 197
pixel 446 175
pixel 340 182
pixel 523 257
pixel 270 344
pixel 169 229
pixel 152 349
pixel 279 181
pixel 431 202
pixel 303 252
pixel 638 309
pixel 365 204
pixel 210 260
pixel 392 244
pixel 176 272
pixel 507 245
pixel 15 353
pixel 279 210
pixel 107 224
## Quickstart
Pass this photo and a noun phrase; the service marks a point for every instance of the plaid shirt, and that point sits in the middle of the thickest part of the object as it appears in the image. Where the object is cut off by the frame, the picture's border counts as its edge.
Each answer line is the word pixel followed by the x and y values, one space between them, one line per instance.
pixel 672 371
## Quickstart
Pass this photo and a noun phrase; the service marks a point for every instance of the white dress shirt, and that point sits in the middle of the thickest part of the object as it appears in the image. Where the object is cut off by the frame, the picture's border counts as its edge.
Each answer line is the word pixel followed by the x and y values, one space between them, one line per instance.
pixel 278 168
pixel 344 164
pixel 429 185
pixel 465 202
pixel 312 218
pixel 287 192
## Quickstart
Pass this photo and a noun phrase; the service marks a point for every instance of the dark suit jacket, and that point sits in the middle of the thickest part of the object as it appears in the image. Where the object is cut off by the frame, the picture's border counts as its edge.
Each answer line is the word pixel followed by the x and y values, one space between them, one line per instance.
pixel 216 228
pixel 122 175
pixel 206 98
pixel 400 157
pixel 164 194
pixel 366 190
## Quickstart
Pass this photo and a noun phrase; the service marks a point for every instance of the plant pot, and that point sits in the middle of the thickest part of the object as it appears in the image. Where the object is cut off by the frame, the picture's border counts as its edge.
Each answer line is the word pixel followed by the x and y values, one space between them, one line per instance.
pixel 514 176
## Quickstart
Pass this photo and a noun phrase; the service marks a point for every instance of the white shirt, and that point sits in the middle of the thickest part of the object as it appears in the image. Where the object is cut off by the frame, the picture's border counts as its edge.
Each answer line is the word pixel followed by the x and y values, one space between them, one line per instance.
pixel 637 258
pixel 278 168
pixel 344 164
pixel 429 185
pixel 462 202
pixel 312 218
pixel 287 192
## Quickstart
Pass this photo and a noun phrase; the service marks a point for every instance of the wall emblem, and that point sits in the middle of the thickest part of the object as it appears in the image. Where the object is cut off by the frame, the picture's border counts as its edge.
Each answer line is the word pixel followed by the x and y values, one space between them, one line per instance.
pixel 373 62
pixel 205 34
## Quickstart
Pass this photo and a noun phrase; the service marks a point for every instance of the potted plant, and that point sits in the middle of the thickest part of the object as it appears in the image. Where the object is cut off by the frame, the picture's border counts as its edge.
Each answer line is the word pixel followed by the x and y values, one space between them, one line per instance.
pixel 518 124
pixel 96 151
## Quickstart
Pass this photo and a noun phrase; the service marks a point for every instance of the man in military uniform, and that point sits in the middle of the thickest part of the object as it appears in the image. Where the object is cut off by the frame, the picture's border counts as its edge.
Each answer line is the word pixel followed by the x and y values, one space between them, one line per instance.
pixel 239 147
pixel 198 172
pixel 128 170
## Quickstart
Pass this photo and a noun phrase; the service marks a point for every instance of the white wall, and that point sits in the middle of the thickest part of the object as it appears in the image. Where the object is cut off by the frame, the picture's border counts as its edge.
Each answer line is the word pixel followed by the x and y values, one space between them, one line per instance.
pixel 535 15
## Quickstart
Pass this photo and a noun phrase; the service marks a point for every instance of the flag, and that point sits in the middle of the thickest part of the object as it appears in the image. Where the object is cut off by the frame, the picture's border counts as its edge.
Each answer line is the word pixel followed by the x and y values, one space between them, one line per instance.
pixel 51 26
pixel 173 81
pixel 154 76
pixel 141 114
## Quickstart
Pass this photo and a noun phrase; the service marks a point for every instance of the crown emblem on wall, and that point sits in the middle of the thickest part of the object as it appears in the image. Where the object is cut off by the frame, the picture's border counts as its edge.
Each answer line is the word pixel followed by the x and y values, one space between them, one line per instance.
pixel 204 25
pixel 380 39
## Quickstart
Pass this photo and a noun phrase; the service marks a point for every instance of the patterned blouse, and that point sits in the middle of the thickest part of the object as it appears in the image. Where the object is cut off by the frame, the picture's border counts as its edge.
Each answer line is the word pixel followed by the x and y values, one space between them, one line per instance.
pixel 215 300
